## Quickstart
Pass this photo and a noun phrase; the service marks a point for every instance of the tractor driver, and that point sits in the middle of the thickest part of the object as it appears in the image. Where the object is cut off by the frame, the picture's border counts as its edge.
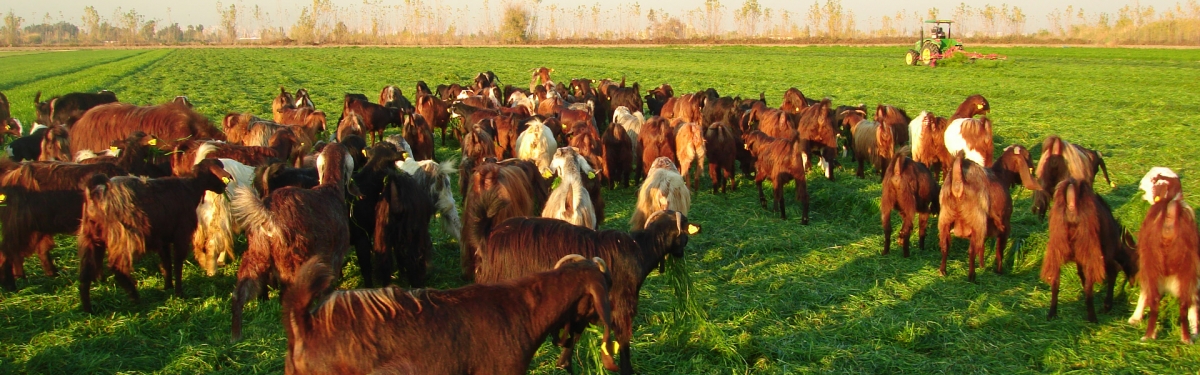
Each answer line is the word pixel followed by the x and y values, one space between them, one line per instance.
pixel 937 32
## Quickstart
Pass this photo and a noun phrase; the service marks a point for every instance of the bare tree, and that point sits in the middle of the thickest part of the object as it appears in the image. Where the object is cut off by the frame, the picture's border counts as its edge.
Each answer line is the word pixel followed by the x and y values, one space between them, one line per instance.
pixel 229 19
pixel 514 27
pixel 747 18
pixel 713 12
pixel 12 28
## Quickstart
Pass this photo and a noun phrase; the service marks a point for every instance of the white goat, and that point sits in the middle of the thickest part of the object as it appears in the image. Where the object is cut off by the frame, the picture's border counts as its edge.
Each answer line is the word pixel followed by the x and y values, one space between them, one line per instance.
pixel 570 202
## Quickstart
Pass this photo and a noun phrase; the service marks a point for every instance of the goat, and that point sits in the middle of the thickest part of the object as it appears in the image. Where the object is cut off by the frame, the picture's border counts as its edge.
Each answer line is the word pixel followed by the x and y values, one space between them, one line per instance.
pixel 436 112
pixel 28 147
pixel 126 216
pixel 237 126
pixel 536 144
pixel 212 242
pixel 618 151
pixel 721 150
pixel 476 145
pixel 972 136
pixel 306 122
pixel 1083 230
pixel 972 106
pixel 1168 257
pixel 56 144
pixel 292 225
pixel 393 97
pixel 8 124
pixel 657 97
pixel 927 133
pixel 522 246
pixel 284 147
pixel 909 187
pixel 663 189
pixel 781 161
pixel 794 101
pixel 393 327
pixel 817 130
pixel 689 148
pixel 37 201
pixel 434 177
pixel 67 109
pixel 975 204
pixel 1061 159
pixel 418 134
pixel 873 142
pixel 350 125
pixel 569 201
pixel 282 101
pixel 896 119
pixel 656 139
pixel 375 117
pixel 103 124
pixel 495 193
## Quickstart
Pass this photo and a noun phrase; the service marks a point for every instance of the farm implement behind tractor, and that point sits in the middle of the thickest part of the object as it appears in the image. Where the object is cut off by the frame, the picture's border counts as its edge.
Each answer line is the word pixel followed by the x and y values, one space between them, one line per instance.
pixel 939 45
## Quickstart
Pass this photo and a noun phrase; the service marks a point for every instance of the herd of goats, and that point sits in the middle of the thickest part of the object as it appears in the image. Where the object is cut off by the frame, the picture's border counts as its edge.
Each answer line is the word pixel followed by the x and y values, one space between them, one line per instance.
pixel 126 179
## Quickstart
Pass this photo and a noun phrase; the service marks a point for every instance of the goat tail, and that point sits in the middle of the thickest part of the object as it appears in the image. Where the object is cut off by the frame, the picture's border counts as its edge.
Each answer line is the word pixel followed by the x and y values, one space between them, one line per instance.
pixel 250 211
pixel 212 242
pixel 956 173
pixel 314 280
pixel 1103 167
pixel 383 221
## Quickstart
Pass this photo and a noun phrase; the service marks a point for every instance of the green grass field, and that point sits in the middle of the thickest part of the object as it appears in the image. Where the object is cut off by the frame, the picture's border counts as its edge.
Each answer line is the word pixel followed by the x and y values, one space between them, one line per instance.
pixel 784 298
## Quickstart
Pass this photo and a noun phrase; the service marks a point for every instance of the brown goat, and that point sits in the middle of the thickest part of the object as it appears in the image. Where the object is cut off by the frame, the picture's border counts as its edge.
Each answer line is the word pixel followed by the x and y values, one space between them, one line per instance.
pixel 39 200
pixel 896 119
pixel 419 136
pixel 391 328
pixel 690 148
pixel 522 246
pixel 1061 159
pixel 975 204
pixel 292 225
pixel 781 161
pixel 794 101
pixel 436 113
pixel 816 128
pixel 56 145
pixel 972 106
pixel 284 147
pixel 910 188
pixel 928 133
pixel 617 149
pixel 1083 230
pixel 1168 257
pixel 102 125
pixel 126 216
pixel 306 122
pixel 656 139
pixel 477 145
pixel 237 126
pixel 873 142
pixel 502 192
pixel 721 149
pixel 282 101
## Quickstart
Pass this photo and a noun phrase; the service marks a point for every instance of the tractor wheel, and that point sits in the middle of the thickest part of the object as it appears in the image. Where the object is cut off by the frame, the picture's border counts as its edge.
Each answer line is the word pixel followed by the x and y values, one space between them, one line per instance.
pixel 927 52
pixel 912 57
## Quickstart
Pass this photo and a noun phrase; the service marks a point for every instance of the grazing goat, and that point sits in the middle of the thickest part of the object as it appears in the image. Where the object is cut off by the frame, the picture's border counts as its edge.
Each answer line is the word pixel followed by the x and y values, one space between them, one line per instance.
pixel 617 148
pixel 28 147
pixel 350 125
pixel 496 192
pixel 393 97
pixel 910 188
pixel 690 148
pixel 477 145
pixel 656 139
pixel 1061 159
pixel 37 201
pixel 657 97
pixel 975 204
pixel 569 201
pixel 102 125
pixel 874 142
pixel 1167 253
pixel 237 126
pixel 8 124
pixel 816 128
pixel 212 242
pixel 370 331
pixel 794 101
pixel 436 112
pixel 275 176
pixel 419 135
pixel 306 122
pixel 663 189
pixel 1083 230
pixel 56 145
pixel 375 117
pixel 781 161
pixel 536 144
pixel 126 216
pixel 522 246
pixel 400 208
pixel 292 225
pixel 284 147
pixel 721 150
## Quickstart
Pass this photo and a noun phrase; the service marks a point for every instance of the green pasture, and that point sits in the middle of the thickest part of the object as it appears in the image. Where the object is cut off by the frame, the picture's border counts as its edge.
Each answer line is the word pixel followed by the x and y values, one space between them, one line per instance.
pixel 780 297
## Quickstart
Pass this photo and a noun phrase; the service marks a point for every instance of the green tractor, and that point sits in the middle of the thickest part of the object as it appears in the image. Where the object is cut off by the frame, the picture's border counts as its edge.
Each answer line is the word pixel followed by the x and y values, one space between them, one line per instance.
pixel 937 45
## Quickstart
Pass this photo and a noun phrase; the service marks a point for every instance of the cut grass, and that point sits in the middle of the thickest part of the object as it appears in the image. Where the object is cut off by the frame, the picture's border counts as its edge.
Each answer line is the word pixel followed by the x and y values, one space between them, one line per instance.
pixel 785 298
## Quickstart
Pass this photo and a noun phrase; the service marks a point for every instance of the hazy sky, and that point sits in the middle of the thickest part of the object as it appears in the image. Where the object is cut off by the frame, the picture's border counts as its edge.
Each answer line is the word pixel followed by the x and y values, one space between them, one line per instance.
pixel 867 12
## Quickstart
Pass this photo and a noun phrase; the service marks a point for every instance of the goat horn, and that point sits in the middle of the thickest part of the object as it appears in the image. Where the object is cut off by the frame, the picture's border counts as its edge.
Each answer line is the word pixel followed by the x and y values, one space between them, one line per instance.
pixel 678 221
pixel 600 263
pixel 568 259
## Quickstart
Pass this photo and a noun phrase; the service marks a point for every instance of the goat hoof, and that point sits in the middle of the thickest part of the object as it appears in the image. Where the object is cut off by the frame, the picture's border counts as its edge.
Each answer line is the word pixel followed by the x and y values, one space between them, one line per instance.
pixel 1135 321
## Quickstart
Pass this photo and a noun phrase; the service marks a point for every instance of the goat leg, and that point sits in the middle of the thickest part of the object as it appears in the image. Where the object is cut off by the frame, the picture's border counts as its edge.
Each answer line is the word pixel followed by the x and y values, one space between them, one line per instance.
pixel 182 243
pixel 802 197
pixel 1001 243
pixel 1153 299
pixel 1110 283
pixel 1089 293
pixel 924 224
pixel 905 232
pixel 44 245
pixel 1185 328
pixel 7 279
pixel 125 281
pixel 944 243
pixel 1053 298
pixel 762 199
pixel 886 218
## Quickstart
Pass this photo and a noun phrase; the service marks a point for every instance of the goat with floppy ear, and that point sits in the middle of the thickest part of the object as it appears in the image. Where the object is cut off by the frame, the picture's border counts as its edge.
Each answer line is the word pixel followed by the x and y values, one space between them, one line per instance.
pixel 570 202
pixel 126 216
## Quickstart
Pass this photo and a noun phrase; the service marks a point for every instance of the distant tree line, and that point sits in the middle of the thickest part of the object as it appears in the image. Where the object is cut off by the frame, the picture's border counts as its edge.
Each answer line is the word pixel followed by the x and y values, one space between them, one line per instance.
pixel 417 22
